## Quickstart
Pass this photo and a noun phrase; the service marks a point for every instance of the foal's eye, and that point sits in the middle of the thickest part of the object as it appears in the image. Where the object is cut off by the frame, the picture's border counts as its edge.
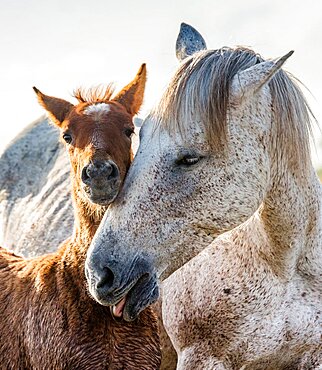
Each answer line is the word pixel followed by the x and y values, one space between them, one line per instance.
pixel 67 137
pixel 129 132
pixel 188 160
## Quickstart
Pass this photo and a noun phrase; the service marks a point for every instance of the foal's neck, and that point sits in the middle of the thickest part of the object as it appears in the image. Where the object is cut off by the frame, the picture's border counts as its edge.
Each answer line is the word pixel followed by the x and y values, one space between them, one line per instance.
pixel 291 217
pixel 87 220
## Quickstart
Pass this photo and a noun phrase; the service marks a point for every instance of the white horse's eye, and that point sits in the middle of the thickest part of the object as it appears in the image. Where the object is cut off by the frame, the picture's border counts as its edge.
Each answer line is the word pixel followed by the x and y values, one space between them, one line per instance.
pixel 188 160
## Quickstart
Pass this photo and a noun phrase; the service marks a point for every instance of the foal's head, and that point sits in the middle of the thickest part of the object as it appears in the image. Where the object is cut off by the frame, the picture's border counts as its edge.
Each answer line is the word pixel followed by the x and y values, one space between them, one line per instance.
pixel 97 133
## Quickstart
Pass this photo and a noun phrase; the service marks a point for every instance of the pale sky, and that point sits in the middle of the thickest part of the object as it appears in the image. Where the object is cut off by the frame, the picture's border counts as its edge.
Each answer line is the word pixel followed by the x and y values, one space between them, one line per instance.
pixel 60 45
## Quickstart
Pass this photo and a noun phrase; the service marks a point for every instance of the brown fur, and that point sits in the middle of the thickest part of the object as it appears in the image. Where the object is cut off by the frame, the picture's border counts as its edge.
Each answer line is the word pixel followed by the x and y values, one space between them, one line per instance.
pixel 93 95
pixel 48 320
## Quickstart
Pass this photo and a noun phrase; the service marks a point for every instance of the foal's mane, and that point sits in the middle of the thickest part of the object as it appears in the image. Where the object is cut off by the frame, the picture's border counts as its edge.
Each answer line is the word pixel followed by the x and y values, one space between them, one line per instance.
pixel 201 89
pixel 94 94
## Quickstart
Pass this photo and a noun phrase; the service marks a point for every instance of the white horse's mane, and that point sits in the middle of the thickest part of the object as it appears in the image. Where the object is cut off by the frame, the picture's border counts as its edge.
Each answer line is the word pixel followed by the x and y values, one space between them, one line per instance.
pixel 201 89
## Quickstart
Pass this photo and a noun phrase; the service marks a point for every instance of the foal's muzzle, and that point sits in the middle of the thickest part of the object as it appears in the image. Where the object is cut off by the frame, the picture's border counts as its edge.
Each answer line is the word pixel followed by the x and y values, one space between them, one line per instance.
pixel 101 181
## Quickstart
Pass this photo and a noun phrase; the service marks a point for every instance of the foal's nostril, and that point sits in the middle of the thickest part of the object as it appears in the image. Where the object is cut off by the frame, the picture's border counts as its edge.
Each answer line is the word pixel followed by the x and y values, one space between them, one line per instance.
pixel 107 170
pixel 106 279
pixel 114 172
pixel 85 175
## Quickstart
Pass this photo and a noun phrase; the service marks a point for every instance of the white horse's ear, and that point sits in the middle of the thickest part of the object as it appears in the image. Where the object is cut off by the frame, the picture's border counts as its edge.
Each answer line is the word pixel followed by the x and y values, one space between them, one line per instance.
pixel 137 121
pixel 189 41
pixel 250 80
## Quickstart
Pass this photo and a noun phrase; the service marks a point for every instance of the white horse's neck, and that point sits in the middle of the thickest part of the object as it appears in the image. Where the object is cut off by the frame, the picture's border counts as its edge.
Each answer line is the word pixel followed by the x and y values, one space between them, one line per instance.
pixel 291 219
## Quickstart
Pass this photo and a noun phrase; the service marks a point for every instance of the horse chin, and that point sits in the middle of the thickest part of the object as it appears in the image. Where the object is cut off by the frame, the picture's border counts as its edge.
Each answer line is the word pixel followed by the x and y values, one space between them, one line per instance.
pixel 104 201
pixel 142 295
pixel 104 198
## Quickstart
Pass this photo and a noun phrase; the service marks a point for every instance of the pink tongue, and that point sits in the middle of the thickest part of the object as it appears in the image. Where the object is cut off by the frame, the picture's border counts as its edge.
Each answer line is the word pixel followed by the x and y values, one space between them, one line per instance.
pixel 118 309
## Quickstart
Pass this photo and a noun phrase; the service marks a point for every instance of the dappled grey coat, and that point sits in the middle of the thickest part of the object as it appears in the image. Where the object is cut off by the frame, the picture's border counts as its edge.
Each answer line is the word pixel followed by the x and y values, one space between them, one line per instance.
pixel 34 182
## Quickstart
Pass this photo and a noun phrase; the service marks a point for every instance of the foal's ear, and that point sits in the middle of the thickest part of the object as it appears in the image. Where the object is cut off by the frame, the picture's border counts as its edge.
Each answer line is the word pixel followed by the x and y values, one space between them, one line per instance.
pixel 250 80
pixel 131 96
pixel 189 41
pixel 57 108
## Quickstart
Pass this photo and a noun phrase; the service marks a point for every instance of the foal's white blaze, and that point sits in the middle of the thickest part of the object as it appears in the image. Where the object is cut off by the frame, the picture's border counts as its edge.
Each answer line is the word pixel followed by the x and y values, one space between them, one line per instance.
pixel 98 111
pixel 97 108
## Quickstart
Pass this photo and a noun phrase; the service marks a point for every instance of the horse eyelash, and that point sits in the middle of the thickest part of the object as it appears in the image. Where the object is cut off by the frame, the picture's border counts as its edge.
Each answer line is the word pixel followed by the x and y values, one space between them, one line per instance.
pixel 129 132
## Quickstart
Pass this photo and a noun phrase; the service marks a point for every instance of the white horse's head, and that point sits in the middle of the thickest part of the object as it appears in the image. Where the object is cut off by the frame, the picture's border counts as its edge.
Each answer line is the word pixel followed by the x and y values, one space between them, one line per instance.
pixel 226 128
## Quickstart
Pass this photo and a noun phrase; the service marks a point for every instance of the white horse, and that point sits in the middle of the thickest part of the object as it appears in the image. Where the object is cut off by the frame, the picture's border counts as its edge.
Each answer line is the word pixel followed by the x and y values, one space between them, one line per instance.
pixel 224 155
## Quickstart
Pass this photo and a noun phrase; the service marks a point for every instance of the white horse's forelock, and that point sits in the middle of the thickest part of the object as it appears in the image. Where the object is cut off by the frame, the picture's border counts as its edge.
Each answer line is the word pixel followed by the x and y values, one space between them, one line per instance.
pixel 201 88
